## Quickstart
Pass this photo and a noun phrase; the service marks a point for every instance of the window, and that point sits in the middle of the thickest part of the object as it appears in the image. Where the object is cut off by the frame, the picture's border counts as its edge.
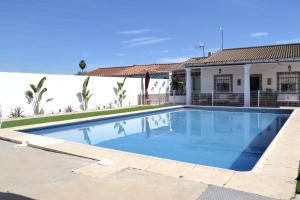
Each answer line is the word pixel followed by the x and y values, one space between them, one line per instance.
pixel 223 83
pixel 288 82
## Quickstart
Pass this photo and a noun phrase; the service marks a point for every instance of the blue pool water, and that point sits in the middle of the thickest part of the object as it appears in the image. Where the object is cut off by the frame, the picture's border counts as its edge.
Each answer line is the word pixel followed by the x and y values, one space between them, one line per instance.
pixel 227 138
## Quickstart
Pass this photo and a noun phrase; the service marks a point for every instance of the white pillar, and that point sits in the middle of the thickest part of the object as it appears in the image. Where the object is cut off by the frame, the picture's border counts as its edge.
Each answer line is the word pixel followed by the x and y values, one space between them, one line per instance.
pixel 170 81
pixel 247 85
pixel 188 85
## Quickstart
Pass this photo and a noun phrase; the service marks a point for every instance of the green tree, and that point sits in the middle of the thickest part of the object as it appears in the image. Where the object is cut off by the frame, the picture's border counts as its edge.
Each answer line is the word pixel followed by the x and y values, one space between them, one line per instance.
pixel 175 84
pixel 35 96
pixel 82 66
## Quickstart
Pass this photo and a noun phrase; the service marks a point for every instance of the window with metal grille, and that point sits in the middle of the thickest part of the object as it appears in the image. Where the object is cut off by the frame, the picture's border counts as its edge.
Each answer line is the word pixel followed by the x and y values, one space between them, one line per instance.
pixel 288 82
pixel 223 83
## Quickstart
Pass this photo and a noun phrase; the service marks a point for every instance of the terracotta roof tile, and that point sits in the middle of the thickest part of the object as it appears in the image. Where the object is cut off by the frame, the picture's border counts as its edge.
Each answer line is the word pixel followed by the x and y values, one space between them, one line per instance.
pixel 196 60
pixel 226 56
pixel 135 70
pixel 249 54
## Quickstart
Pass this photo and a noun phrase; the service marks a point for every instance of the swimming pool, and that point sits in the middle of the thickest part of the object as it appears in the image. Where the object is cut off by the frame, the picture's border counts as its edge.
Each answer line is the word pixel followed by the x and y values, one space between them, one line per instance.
pixel 220 137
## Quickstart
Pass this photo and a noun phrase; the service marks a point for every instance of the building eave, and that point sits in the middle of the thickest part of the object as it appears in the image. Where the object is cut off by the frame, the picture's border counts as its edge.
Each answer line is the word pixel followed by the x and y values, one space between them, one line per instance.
pixel 244 62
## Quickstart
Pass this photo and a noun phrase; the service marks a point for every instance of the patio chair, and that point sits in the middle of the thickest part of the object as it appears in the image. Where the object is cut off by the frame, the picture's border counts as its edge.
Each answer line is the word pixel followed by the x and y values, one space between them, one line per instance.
pixel 221 98
pixel 235 99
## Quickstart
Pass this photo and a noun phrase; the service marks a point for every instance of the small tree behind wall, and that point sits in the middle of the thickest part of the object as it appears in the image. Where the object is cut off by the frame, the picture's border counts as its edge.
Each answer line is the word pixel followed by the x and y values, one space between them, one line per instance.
pixel 175 84
pixel 82 66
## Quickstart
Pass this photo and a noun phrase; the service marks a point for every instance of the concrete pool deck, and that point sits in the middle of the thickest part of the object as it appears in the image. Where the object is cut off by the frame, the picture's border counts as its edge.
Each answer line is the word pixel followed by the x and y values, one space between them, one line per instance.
pixel 273 176
pixel 29 173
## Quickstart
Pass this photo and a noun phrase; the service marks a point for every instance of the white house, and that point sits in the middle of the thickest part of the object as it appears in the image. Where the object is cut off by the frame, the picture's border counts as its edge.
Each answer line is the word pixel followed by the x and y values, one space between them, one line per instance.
pixel 266 75
pixel 248 76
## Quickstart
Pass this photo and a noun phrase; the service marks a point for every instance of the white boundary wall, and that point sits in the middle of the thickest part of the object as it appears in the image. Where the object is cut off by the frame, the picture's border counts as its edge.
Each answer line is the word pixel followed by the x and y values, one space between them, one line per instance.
pixel 64 89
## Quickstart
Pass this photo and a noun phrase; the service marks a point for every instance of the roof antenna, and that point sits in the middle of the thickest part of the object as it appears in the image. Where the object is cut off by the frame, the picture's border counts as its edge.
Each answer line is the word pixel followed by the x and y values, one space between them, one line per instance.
pixel 201 46
pixel 222 37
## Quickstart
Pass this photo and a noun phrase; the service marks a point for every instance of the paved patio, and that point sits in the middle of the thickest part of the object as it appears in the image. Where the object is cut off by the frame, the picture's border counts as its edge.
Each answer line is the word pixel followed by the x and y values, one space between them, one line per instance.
pixel 29 173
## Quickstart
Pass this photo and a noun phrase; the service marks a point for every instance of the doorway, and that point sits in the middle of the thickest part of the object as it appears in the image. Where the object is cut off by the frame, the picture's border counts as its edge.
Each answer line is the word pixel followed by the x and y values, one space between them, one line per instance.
pixel 255 86
pixel 255 82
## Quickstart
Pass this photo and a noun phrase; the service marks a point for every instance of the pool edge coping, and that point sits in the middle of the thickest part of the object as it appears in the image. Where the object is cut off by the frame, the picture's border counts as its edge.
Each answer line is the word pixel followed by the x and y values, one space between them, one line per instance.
pixel 47 143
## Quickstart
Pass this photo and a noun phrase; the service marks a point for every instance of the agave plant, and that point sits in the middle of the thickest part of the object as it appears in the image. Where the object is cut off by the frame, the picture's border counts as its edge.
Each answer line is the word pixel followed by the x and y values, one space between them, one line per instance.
pixel 120 92
pixel 35 96
pixel 85 94
pixel 98 107
pixel 16 112
pixel 69 109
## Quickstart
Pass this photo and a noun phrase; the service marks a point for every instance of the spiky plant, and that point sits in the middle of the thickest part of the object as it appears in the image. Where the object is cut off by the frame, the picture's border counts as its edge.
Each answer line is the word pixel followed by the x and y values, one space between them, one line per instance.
pixel 85 94
pixel 35 96
pixel 69 109
pixel 16 112
pixel 98 107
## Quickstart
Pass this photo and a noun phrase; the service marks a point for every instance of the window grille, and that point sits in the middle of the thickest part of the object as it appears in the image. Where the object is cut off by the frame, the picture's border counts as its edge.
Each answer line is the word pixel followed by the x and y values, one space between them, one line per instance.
pixel 223 83
pixel 288 82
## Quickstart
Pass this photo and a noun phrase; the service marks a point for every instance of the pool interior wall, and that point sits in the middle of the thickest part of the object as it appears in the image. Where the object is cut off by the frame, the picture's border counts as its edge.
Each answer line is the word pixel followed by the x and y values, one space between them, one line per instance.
pixel 231 138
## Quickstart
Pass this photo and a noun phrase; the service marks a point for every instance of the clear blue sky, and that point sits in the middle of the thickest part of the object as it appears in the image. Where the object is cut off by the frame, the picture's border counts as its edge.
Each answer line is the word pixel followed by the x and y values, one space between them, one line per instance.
pixel 52 36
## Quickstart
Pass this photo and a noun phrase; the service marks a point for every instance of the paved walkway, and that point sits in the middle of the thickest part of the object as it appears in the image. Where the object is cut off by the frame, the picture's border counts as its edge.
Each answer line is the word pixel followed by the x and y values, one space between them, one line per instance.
pixel 29 173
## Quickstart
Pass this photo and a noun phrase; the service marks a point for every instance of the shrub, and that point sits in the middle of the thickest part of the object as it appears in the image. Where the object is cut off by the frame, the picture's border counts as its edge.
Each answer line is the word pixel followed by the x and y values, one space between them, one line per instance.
pixel 35 96
pixel 85 94
pixel 16 112
pixel 69 109
pixel 120 92
pixel 98 107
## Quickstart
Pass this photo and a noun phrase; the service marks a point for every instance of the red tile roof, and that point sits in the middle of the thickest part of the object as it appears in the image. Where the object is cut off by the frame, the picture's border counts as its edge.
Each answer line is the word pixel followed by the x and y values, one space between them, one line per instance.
pixel 246 55
pixel 135 70
pixel 249 55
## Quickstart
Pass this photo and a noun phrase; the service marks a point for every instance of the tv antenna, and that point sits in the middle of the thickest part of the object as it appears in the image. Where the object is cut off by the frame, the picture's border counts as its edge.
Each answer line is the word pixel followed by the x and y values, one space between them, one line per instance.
pixel 201 46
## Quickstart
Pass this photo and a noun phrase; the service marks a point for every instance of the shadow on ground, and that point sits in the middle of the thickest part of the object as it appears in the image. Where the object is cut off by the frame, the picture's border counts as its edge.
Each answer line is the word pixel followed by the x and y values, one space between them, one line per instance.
pixel 12 196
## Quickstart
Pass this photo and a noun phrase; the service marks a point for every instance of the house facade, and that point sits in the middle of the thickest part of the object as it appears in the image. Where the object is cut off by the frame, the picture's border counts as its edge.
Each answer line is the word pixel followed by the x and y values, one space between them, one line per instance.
pixel 261 76
pixel 249 76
